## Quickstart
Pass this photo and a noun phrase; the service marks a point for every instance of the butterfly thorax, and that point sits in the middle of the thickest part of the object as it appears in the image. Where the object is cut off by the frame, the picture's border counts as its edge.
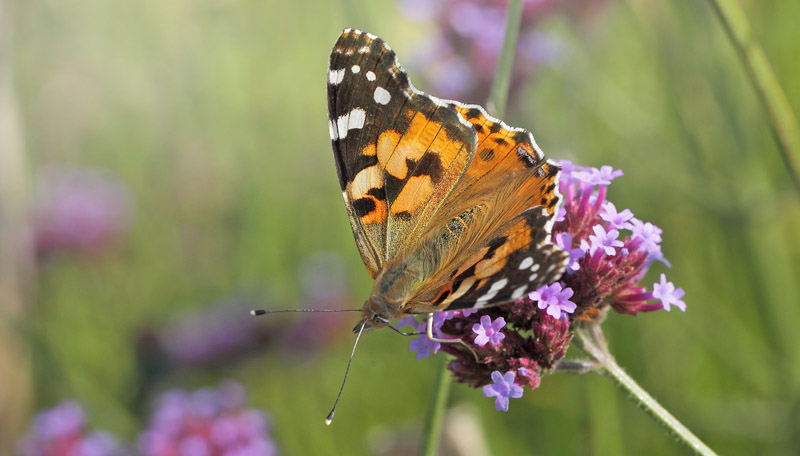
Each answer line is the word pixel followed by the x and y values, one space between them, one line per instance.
pixel 394 288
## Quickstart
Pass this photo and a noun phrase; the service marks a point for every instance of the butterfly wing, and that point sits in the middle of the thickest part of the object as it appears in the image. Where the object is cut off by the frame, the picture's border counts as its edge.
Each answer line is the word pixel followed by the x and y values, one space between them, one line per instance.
pixel 398 152
pixel 518 258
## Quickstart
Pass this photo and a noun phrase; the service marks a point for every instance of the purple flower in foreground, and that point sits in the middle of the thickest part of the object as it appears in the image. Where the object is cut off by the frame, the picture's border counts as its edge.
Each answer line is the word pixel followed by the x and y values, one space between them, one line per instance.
pixel 616 220
pixel 668 294
pixel 206 422
pixel 502 389
pixel 554 299
pixel 421 345
pixel 606 240
pixel 537 330
pixel 488 331
pixel 62 431
pixel 564 240
pixel 594 176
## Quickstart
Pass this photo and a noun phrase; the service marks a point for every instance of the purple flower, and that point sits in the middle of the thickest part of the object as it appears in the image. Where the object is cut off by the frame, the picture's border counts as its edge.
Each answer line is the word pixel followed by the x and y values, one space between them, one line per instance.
pixel 668 294
pixel 206 422
pixel 605 240
pixel 488 331
pixel 79 210
pixel 502 389
pixel 62 431
pixel 468 312
pixel 616 220
pixel 554 299
pixel 594 176
pixel 564 240
pixel 420 344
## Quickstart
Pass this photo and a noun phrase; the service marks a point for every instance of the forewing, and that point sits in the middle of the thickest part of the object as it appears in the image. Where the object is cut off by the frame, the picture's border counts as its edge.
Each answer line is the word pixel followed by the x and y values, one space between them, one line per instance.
pixel 398 152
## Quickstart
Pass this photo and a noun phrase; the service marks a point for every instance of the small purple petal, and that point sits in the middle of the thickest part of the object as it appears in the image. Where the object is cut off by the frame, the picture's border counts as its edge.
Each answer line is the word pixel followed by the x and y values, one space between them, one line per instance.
pixel 502 389
pixel 668 294
pixel 488 331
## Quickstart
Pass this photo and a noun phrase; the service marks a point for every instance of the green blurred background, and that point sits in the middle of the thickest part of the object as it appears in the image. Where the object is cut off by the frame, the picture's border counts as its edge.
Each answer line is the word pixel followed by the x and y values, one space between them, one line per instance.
pixel 213 115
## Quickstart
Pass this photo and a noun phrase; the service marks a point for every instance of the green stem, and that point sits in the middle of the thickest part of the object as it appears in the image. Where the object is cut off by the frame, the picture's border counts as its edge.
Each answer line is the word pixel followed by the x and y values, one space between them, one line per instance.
pixel 498 95
pixel 433 422
pixel 496 104
pixel 593 343
pixel 784 123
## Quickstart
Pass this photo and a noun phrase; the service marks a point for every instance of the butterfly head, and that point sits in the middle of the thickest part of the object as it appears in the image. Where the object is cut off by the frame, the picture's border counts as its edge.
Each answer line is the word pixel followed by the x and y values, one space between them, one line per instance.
pixel 374 314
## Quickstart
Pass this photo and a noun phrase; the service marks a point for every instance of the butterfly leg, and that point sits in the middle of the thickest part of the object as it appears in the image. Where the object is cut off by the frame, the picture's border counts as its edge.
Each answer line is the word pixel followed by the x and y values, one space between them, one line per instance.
pixel 429 333
pixel 403 333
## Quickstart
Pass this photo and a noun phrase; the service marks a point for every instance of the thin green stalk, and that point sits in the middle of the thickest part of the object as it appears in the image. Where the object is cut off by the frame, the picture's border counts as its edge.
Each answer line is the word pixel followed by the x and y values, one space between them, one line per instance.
pixel 593 343
pixel 784 123
pixel 433 422
pixel 498 95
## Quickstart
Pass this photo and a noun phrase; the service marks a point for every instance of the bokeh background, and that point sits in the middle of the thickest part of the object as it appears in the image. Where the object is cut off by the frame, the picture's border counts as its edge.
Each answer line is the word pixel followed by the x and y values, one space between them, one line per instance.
pixel 166 166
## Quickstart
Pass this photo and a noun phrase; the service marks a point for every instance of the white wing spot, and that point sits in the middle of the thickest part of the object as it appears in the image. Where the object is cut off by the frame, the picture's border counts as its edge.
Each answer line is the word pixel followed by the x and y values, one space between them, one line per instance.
pixel 350 121
pixel 335 76
pixel 355 68
pixel 526 263
pixel 519 292
pixel 363 50
pixel 534 268
pixel 533 277
pixel 497 286
pixel 370 76
pixel 382 96
pixel 332 129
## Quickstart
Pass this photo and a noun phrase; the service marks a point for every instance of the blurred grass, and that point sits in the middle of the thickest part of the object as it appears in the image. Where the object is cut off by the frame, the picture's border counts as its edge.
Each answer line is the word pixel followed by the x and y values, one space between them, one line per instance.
pixel 214 113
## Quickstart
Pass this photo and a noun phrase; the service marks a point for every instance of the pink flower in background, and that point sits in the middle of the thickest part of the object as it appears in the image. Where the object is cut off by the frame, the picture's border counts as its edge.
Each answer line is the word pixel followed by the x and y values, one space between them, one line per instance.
pixel 207 422
pixel 78 209
pixel 459 57
pixel 62 431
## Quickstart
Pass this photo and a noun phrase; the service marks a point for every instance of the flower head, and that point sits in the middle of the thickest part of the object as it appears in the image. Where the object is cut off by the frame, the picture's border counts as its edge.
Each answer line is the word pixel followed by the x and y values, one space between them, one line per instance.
pixel 502 389
pixel 62 431
pixel 616 251
pixel 488 331
pixel 206 422
pixel 668 294
pixel 78 210
pixel 554 299
pixel 605 240
pixel 564 240
pixel 616 220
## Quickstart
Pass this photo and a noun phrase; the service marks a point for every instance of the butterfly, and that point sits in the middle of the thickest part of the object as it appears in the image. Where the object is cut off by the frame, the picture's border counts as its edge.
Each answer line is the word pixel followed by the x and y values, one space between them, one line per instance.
pixel 450 207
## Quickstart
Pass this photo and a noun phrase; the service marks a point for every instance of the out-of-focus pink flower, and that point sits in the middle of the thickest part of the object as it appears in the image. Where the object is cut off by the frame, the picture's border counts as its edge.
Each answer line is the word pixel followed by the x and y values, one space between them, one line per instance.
pixel 62 431
pixel 460 55
pixel 207 422
pixel 79 210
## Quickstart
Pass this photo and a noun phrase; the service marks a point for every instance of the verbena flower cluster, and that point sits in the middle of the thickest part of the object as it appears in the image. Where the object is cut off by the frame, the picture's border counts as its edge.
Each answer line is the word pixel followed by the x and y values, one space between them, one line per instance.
pixel 210 422
pixel 80 210
pixel 63 431
pixel 610 251
pixel 206 422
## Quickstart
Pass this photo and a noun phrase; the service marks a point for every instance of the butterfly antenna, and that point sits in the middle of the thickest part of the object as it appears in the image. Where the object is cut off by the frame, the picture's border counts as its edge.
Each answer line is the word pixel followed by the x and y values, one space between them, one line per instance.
pixel 258 312
pixel 329 419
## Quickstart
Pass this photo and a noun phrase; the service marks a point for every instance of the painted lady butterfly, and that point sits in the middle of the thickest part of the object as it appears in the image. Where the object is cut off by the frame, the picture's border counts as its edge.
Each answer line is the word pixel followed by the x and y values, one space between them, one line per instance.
pixel 450 207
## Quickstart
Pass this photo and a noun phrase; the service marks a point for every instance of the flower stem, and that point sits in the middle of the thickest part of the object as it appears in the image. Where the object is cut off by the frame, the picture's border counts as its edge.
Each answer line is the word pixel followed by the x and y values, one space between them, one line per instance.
pixel 433 422
pixel 784 123
pixel 498 95
pixel 593 343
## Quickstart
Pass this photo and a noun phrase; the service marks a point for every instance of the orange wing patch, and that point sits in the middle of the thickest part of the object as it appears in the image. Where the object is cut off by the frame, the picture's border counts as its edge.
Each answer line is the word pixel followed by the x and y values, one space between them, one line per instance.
pixel 507 156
